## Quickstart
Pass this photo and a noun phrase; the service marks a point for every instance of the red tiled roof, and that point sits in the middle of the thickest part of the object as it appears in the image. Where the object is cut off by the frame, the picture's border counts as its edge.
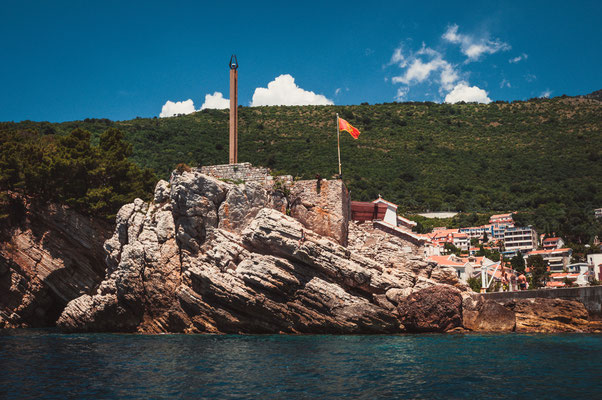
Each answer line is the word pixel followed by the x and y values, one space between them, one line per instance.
pixel 550 251
pixel 444 260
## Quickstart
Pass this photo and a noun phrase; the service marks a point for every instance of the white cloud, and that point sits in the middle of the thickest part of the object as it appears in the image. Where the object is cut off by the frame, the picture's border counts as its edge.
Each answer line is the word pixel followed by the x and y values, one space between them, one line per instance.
pixel 284 92
pixel 420 66
pixel 402 92
pixel 170 108
pixel 337 91
pixel 473 47
pixel 504 83
pixel 463 92
pixel 215 101
pixel 519 58
pixel 546 94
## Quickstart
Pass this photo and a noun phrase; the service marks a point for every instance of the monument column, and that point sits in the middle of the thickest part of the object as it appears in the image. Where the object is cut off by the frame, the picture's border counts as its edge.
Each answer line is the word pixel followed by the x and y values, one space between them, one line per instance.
pixel 233 110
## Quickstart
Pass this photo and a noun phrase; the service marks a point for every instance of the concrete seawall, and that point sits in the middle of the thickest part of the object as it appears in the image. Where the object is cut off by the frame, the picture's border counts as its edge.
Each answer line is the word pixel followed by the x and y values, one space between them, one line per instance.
pixel 591 297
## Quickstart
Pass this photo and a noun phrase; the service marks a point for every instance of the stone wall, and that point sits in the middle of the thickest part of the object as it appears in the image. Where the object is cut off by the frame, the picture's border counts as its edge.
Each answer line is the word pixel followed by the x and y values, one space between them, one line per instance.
pixel 591 297
pixel 239 172
pixel 323 206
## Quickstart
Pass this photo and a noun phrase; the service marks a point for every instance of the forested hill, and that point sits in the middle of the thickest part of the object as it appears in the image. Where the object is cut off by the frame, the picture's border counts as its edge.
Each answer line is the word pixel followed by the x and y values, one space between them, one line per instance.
pixel 542 156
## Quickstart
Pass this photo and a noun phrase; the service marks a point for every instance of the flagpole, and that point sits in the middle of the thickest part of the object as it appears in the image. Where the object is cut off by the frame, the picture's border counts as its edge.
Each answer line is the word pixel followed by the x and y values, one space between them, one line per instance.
pixel 339 146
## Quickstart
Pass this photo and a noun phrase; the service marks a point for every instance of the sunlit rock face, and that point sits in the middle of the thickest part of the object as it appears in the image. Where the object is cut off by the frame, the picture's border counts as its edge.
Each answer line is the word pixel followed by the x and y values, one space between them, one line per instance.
pixel 214 256
pixel 50 257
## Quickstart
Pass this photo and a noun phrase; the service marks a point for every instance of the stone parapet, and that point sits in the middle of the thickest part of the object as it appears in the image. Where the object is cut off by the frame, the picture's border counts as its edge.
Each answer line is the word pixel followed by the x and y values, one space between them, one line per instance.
pixel 243 172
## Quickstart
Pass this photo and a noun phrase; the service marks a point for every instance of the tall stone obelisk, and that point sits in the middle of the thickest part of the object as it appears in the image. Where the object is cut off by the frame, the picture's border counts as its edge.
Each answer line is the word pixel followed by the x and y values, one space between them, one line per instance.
pixel 233 110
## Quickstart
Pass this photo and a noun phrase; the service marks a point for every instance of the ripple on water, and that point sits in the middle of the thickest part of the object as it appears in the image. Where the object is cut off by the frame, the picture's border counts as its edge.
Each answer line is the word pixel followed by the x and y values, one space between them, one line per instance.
pixel 47 364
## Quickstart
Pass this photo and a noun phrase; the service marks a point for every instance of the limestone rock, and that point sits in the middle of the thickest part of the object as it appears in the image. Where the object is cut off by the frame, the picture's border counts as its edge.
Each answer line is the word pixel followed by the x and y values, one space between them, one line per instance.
pixel 53 256
pixel 486 315
pixel 434 309
pixel 549 315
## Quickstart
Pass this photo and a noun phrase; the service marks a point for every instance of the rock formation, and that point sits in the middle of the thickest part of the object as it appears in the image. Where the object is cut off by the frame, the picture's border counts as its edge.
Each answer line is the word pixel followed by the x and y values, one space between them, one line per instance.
pixel 212 256
pixel 268 256
pixel 50 257
pixel 549 315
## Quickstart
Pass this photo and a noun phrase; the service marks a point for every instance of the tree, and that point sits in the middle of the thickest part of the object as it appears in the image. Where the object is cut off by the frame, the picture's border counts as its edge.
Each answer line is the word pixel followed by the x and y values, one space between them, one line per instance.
pixel 539 270
pixel 518 263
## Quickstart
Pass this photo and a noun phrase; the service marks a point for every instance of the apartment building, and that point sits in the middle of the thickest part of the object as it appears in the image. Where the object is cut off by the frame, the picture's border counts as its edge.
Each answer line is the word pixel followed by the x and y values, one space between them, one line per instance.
pixel 558 259
pixel 523 239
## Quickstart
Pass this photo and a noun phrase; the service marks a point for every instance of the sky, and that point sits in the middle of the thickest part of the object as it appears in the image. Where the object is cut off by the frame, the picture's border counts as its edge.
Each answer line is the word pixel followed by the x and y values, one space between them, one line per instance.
pixel 70 60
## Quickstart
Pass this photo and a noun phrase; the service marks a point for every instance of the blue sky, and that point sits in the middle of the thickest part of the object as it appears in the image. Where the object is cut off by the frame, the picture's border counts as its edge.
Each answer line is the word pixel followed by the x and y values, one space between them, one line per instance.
pixel 68 60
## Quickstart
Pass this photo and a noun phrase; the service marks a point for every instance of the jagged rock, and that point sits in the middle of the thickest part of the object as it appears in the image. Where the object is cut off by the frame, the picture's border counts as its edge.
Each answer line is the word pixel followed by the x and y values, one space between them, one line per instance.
pixel 161 192
pixel 211 258
pixel 549 315
pixel 486 316
pixel 434 309
pixel 241 205
pixel 53 256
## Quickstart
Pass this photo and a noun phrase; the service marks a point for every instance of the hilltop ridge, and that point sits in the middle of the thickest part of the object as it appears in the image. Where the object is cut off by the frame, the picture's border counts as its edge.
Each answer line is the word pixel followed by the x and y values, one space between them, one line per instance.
pixel 542 156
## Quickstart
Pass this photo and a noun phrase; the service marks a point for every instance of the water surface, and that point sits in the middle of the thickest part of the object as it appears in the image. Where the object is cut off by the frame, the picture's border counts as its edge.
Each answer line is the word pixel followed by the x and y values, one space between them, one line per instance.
pixel 47 364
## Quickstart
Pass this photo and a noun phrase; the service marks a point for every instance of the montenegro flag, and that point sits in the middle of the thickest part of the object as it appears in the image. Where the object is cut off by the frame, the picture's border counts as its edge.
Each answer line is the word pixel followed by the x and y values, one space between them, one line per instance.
pixel 346 126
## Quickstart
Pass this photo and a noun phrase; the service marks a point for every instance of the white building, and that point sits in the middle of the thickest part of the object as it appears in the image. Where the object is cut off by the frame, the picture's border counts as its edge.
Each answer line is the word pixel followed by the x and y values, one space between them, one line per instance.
pixel 595 261
pixel 558 259
pixel 521 239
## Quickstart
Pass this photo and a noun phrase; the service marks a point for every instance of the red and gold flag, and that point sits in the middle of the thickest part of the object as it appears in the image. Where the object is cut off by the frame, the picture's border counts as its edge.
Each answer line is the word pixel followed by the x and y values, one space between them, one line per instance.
pixel 346 126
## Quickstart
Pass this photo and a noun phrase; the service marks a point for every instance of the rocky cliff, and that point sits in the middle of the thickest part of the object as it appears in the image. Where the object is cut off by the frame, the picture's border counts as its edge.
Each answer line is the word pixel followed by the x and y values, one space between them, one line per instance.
pixel 211 256
pixel 49 257
pixel 208 255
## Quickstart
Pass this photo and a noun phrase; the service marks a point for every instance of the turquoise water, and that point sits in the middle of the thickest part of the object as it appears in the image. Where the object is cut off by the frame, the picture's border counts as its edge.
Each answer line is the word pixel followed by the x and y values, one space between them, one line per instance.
pixel 46 364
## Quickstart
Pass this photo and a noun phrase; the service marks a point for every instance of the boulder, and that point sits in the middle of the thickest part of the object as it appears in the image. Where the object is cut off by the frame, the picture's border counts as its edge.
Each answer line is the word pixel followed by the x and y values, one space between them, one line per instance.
pixel 433 309
pixel 482 315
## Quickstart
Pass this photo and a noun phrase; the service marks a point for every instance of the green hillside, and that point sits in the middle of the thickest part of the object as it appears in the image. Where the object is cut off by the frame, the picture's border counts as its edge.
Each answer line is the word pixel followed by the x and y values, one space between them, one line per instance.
pixel 542 157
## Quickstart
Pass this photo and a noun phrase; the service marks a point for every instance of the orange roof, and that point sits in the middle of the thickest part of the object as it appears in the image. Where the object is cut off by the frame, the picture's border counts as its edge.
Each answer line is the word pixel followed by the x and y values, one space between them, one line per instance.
pixel 551 239
pixel 555 284
pixel 549 251
pixel 501 215
pixel 445 260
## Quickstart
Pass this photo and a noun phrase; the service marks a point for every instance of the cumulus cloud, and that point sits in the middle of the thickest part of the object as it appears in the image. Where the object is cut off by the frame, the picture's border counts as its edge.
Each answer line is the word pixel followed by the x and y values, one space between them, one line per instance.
pixel 216 101
pixel 424 65
pixel 171 108
pixel 546 93
pixel 402 92
pixel 471 46
pixel 518 58
pixel 463 92
pixel 283 91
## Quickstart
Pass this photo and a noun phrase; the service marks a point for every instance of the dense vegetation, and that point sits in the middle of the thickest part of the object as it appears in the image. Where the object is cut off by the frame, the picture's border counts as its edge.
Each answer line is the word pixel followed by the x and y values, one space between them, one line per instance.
pixel 542 157
pixel 69 170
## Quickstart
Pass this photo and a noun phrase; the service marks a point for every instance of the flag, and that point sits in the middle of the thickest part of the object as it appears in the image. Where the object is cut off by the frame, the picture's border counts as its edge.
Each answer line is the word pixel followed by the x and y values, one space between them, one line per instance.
pixel 346 126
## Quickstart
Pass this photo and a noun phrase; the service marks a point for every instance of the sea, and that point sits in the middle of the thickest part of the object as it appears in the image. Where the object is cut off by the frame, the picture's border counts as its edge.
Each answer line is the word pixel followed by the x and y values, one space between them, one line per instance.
pixel 46 364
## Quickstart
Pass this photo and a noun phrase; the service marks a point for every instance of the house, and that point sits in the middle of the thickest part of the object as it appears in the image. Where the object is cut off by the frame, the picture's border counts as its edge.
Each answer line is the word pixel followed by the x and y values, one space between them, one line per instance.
pixel 477 232
pixel 552 243
pixel 595 261
pixel 464 269
pixel 443 235
pixel 598 212
pixel 383 215
pixel 558 259
pixel 578 274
